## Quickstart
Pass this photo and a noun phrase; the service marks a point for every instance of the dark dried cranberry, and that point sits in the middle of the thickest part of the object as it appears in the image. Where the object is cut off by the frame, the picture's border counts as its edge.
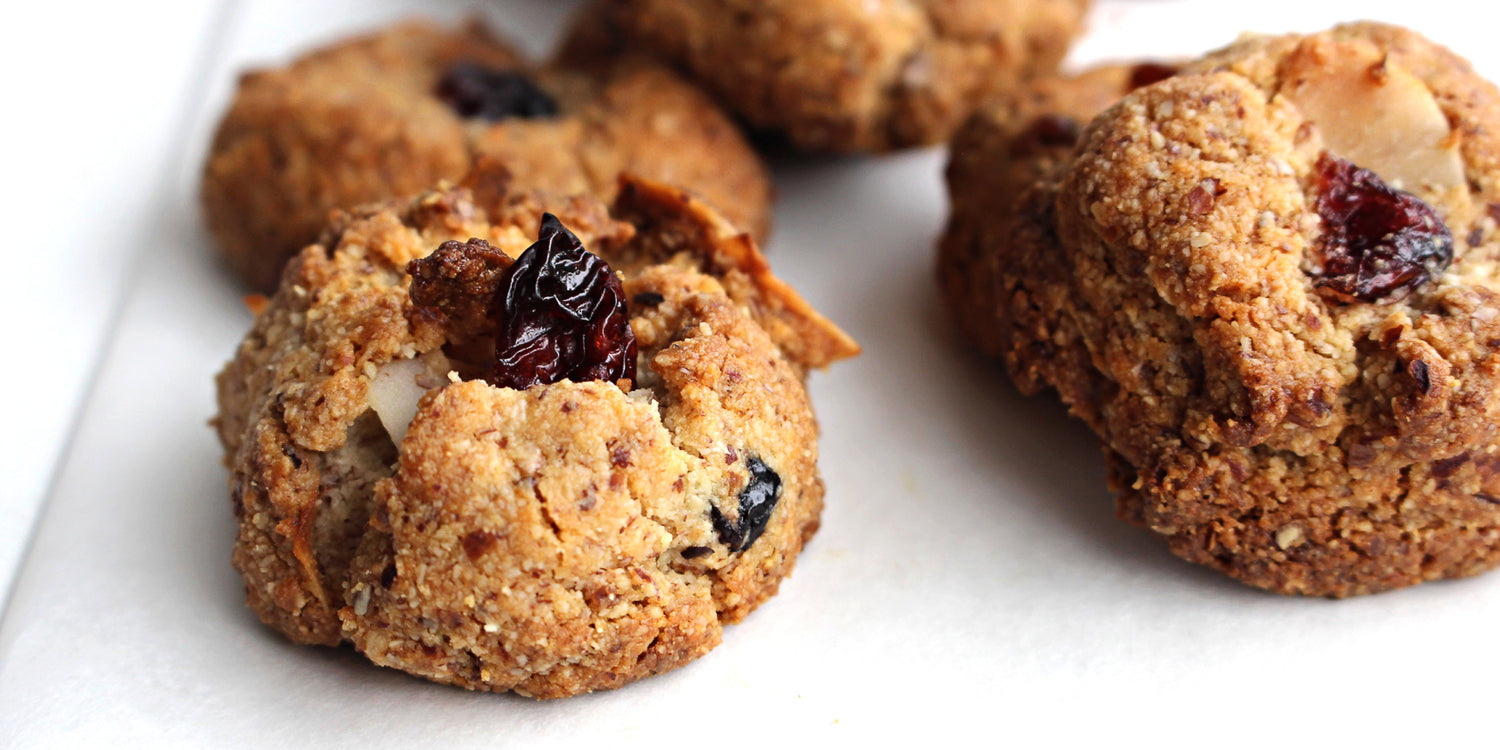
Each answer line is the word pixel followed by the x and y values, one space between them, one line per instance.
pixel 648 299
pixel 561 314
pixel 757 500
pixel 473 90
pixel 1378 243
pixel 1148 73
pixel 1055 130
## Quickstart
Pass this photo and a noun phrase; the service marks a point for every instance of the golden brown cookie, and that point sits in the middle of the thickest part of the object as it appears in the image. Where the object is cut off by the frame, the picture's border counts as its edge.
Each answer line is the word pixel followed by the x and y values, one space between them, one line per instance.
pixel 394 112
pixel 1268 284
pixel 855 75
pixel 550 539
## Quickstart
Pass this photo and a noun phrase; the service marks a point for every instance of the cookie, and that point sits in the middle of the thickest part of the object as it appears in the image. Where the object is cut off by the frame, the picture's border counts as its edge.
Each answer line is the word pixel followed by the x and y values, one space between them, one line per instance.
pixel 1011 143
pixel 850 75
pixel 392 113
pixel 434 460
pixel 1268 284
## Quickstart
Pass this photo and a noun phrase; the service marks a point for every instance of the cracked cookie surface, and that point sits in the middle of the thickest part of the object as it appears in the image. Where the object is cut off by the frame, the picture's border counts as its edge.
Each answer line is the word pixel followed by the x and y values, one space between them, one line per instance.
pixel 852 75
pixel 391 113
pixel 1169 275
pixel 552 540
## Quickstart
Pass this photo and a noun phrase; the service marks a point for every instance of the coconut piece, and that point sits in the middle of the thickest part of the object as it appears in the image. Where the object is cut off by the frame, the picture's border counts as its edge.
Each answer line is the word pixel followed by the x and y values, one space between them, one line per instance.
pixel 1374 113
pixel 399 385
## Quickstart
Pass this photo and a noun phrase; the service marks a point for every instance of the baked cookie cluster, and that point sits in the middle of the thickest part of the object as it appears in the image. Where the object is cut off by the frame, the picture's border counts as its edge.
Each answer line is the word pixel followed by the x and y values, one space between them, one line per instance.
pixel 513 441
pixel 547 430
pixel 1267 282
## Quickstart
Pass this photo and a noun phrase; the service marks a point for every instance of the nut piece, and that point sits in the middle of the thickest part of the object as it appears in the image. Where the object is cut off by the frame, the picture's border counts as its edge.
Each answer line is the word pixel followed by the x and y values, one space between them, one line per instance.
pixel 399 385
pixel 1374 113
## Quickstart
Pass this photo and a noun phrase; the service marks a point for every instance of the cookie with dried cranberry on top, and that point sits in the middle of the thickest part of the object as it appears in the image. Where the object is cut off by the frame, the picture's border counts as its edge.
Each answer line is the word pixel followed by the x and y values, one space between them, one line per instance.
pixel 393 112
pixel 510 441
pixel 1268 284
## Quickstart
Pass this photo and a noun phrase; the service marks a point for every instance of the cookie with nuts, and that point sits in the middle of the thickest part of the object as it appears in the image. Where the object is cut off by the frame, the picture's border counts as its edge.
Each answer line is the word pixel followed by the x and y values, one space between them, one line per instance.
pixel 391 113
pixel 852 75
pixel 1268 284
pixel 510 441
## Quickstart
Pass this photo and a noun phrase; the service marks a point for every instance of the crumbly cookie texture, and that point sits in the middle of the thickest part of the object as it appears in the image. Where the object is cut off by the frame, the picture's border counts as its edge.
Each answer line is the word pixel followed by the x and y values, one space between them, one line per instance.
pixel 855 75
pixel 362 120
pixel 1170 276
pixel 552 540
pixel 1014 141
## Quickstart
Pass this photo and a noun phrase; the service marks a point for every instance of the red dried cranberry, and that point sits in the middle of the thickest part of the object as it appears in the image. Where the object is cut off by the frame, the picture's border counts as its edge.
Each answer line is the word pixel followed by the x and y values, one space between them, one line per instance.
pixel 561 315
pixel 473 90
pixel 757 500
pixel 1378 243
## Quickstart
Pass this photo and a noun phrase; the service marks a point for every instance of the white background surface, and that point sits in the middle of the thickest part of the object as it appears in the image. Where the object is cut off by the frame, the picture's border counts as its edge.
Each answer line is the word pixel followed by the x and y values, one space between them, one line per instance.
pixel 969 582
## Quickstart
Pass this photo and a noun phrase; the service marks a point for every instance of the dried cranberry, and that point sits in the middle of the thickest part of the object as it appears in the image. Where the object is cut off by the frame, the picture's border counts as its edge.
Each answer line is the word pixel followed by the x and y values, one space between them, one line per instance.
pixel 561 315
pixel 1148 73
pixel 757 500
pixel 1378 243
pixel 473 90
pixel 1055 130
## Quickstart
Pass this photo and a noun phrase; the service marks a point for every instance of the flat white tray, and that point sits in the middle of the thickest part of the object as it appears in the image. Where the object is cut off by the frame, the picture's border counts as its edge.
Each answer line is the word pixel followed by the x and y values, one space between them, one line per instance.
pixel 970 582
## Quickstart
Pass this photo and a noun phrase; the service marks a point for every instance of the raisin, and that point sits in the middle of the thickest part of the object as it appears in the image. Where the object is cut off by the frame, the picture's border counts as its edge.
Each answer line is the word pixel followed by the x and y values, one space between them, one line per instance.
pixel 1378 243
pixel 1054 131
pixel 473 90
pixel 1148 73
pixel 561 315
pixel 757 500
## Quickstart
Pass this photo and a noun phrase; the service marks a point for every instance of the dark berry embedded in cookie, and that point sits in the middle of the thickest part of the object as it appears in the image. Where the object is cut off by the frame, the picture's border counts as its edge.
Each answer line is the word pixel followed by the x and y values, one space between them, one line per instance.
pixel 476 464
pixel 389 114
pixel 753 511
pixel 1267 282
pixel 561 316
pixel 476 90
pixel 1378 244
